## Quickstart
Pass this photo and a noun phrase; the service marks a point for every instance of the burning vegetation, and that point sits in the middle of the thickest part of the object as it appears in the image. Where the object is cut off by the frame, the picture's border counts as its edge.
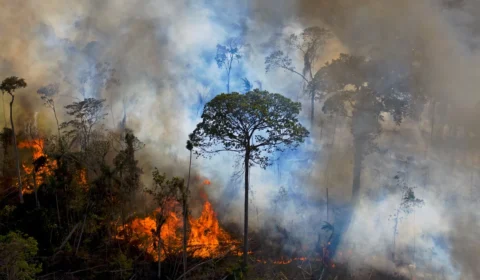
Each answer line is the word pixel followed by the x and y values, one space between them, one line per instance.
pixel 206 238
pixel 87 202
pixel 39 168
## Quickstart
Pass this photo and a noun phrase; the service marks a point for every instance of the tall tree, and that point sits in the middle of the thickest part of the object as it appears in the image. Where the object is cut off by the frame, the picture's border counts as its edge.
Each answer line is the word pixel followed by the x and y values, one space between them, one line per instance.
pixel 10 85
pixel 309 44
pixel 48 94
pixel 86 114
pixel 227 54
pixel 255 124
pixel 165 193
pixel 360 90
pixel 184 199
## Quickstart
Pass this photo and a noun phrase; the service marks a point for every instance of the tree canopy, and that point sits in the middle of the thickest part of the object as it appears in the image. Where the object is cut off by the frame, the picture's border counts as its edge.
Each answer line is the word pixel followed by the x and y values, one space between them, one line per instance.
pixel 258 121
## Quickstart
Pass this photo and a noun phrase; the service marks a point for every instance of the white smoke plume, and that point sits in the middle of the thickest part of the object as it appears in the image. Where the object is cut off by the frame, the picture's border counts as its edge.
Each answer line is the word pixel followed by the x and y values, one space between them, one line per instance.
pixel 163 56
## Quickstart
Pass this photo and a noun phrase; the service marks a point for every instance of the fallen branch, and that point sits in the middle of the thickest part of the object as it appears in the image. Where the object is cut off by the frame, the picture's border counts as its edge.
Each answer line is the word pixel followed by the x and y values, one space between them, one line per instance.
pixel 66 239
pixel 202 263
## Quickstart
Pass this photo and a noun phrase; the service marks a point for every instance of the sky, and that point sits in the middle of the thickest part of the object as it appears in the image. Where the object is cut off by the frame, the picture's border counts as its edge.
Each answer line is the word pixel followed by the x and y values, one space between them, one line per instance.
pixel 163 55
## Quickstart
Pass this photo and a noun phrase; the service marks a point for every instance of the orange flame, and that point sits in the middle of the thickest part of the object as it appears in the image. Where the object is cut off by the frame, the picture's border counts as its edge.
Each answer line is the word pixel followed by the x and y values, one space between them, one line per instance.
pixel 206 234
pixel 206 237
pixel 36 146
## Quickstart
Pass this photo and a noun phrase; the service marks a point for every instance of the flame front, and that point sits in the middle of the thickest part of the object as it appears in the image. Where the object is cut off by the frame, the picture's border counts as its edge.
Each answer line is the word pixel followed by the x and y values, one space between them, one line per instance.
pixel 206 238
pixel 36 146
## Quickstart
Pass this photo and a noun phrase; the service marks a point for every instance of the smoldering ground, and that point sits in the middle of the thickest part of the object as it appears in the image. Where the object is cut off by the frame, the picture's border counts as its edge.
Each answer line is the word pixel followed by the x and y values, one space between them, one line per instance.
pixel 162 53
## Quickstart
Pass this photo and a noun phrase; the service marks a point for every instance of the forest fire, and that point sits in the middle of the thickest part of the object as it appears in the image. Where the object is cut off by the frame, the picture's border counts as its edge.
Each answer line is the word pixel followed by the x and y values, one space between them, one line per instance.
pixel 205 239
pixel 39 168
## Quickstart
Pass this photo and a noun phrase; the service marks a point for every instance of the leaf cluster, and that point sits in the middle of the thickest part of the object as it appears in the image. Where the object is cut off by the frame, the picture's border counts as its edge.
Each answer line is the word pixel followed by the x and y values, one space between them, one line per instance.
pixel 11 84
pixel 257 122
pixel 226 54
pixel 47 93
pixel 17 252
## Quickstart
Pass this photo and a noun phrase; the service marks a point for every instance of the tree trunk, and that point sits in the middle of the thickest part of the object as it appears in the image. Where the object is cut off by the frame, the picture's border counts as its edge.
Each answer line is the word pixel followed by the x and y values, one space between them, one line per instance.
pixel 20 191
pixel 357 171
pixel 312 110
pixel 56 119
pixel 37 203
pixel 185 220
pixel 4 116
pixel 81 234
pixel 395 228
pixel 159 247
pixel 58 209
pixel 245 227
pixel 228 83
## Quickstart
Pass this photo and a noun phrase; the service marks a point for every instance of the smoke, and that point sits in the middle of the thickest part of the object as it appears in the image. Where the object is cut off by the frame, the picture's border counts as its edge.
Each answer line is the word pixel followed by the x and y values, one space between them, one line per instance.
pixel 162 54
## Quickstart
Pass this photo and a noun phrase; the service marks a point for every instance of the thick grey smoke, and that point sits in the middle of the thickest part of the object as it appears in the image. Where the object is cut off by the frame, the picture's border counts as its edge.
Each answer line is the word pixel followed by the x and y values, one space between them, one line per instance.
pixel 162 53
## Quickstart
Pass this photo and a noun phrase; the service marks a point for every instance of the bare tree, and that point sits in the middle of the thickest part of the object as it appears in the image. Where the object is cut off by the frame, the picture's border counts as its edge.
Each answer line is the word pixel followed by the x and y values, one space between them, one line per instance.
pixel 309 44
pixel 48 94
pixel 227 54
pixel 86 114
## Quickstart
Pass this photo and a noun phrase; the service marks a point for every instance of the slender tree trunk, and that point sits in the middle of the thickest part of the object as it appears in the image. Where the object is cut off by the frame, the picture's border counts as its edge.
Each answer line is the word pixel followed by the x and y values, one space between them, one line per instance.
pixel 357 171
pixel 328 220
pixel 81 233
pixel 228 83
pixel 20 191
pixel 58 209
pixel 185 220
pixel 245 227
pixel 56 119
pixel 37 202
pixel 159 247
pixel 312 110
pixel 395 228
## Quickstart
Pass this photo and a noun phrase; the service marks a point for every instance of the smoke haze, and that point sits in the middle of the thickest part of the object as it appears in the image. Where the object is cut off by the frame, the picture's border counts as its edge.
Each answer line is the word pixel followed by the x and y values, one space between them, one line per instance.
pixel 163 55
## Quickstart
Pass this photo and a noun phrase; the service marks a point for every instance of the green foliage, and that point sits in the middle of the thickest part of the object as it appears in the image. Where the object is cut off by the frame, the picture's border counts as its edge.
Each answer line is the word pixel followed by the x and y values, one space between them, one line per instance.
pixel 120 262
pixel 17 253
pixel 165 190
pixel 231 121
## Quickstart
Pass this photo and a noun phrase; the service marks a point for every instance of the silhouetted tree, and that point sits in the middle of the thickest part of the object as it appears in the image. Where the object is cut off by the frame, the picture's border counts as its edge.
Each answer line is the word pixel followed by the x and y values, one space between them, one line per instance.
pixel 255 124
pixel 10 85
pixel 227 54
pixel 48 94
pixel 309 44
pixel 86 114
pixel 184 197
pixel 359 89
pixel 407 205
pixel 165 193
